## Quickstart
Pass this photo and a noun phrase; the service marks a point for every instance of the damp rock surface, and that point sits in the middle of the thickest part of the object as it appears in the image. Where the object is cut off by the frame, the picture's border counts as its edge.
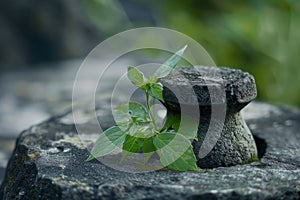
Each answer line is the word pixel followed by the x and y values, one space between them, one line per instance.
pixel 48 163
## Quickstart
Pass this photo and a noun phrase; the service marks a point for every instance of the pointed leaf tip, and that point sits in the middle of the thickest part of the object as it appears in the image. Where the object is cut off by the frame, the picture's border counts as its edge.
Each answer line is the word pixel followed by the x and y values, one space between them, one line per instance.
pixel 169 65
pixel 182 50
pixel 90 158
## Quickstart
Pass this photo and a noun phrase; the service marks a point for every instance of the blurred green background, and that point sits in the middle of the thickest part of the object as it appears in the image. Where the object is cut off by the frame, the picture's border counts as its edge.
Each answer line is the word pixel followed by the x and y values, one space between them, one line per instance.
pixel 261 37
pixel 258 36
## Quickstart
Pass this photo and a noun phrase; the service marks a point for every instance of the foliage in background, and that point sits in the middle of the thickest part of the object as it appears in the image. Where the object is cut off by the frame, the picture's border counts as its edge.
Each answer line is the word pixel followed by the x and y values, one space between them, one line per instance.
pixel 262 37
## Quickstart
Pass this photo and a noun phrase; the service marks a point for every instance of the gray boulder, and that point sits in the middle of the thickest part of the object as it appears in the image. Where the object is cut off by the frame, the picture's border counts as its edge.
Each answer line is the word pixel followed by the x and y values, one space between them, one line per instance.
pixel 48 163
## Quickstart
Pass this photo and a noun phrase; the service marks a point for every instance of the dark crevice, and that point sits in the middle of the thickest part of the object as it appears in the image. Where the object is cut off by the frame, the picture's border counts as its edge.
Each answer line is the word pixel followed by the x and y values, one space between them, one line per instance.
pixel 60 148
pixel 261 146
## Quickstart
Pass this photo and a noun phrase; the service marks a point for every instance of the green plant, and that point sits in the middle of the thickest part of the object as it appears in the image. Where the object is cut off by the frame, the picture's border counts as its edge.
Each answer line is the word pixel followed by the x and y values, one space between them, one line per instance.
pixel 136 129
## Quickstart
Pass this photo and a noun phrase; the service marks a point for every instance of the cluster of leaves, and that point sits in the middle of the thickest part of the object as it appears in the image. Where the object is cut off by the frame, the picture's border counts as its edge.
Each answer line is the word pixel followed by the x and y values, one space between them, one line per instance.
pixel 136 128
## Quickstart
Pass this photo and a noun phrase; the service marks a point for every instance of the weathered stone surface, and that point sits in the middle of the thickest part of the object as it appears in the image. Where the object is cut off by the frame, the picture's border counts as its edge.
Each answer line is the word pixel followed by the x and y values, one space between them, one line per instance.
pixel 208 84
pixel 234 146
pixel 219 94
pixel 48 163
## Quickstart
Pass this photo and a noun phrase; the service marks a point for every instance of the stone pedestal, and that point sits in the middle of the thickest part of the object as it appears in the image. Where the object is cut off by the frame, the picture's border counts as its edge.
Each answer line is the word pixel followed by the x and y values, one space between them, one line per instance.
pixel 218 94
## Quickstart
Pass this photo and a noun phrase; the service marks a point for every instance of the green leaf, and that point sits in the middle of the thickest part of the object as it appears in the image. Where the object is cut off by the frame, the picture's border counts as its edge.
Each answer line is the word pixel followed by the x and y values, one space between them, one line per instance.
pixel 133 129
pixel 122 118
pixel 145 131
pixel 109 140
pixel 155 90
pixel 172 121
pixel 131 145
pixel 187 127
pixel 183 124
pixel 148 148
pixel 186 162
pixel 169 65
pixel 175 151
pixel 138 111
pixel 152 79
pixel 130 112
pixel 136 77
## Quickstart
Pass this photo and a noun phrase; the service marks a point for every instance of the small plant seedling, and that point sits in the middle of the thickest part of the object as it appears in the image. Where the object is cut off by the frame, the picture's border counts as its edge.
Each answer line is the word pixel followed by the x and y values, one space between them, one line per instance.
pixel 136 129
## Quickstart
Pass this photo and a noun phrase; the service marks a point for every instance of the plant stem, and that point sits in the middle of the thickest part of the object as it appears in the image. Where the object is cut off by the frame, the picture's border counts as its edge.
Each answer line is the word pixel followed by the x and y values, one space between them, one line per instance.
pixel 149 111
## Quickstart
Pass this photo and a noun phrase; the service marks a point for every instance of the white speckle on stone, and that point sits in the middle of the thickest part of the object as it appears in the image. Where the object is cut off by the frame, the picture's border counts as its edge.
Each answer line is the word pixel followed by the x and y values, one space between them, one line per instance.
pixel 22 192
pixel 52 151
pixel 62 166
pixel 225 191
pixel 67 150
pixel 177 187
pixel 231 91
pixel 73 140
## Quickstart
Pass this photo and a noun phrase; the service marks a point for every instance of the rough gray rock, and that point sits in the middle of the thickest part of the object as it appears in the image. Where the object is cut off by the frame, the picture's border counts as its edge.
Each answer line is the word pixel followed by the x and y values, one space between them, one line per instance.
pixel 208 84
pixel 48 163
pixel 219 94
